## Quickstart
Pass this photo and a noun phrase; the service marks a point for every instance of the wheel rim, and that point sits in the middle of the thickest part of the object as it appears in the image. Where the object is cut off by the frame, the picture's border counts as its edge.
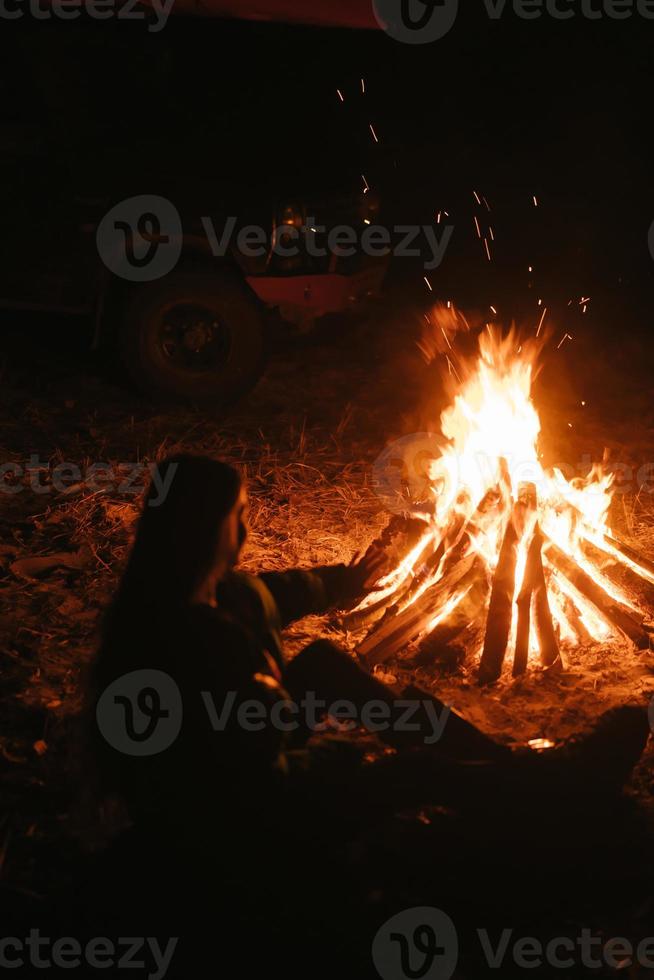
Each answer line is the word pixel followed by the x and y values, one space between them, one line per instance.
pixel 193 338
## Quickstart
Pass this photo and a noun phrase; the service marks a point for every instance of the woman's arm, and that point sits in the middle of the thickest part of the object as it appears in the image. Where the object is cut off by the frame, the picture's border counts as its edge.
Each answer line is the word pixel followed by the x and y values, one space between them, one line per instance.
pixel 306 592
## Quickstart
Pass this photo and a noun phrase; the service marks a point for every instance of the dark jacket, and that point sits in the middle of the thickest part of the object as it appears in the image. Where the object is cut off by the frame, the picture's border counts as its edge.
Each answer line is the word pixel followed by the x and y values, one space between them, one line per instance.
pixel 219 658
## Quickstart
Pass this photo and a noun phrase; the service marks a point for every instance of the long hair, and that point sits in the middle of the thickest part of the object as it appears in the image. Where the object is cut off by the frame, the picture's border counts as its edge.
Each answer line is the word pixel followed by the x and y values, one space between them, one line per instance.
pixel 178 534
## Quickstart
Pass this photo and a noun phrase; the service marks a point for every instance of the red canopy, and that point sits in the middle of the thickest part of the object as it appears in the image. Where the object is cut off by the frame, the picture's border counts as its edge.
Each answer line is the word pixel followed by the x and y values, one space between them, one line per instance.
pixel 323 13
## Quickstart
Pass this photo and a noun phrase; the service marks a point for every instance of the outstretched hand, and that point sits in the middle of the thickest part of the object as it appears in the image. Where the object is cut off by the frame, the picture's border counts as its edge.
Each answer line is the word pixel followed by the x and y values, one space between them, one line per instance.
pixel 366 570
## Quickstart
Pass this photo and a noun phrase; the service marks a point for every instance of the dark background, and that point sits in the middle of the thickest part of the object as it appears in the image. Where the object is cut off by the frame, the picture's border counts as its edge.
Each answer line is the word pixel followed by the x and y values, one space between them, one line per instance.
pixel 227 112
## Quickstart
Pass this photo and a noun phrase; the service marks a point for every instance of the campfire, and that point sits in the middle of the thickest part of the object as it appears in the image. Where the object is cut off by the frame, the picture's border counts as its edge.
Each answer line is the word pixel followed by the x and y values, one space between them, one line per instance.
pixel 504 561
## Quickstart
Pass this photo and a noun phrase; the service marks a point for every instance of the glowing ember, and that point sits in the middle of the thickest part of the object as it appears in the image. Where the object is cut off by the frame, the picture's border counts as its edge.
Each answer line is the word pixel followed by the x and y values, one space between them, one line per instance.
pixel 511 552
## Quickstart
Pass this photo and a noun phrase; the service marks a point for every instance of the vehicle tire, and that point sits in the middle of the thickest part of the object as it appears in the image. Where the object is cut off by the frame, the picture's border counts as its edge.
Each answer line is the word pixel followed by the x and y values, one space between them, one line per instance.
pixel 193 336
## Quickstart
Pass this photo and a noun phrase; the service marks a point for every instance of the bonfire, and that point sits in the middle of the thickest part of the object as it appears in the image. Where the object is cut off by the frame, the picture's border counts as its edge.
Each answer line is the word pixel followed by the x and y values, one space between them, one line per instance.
pixel 504 561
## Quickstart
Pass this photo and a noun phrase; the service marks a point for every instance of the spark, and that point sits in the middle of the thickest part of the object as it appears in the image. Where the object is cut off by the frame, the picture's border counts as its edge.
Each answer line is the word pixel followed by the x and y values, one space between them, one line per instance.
pixel 486 203
pixel 477 227
pixel 452 369
pixel 366 221
pixel 428 283
pixel 438 219
pixel 447 339
pixel 340 95
pixel 542 320
pixel 366 184
pixel 566 336
pixel 372 130
pixel 535 200
pixel 363 85
pixel 477 198
pixel 531 268
pixel 487 249
pixel 494 310
pixel 491 233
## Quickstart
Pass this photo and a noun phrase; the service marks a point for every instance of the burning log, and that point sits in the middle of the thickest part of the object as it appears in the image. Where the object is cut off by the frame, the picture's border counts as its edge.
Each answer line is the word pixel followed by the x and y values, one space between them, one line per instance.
pixel 575 620
pixel 402 536
pixel 619 573
pixel 524 603
pixel 547 639
pixel 500 611
pixel 451 650
pixel 452 561
pixel 616 614
pixel 533 595
pixel 439 643
pixel 614 545
pixel 400 630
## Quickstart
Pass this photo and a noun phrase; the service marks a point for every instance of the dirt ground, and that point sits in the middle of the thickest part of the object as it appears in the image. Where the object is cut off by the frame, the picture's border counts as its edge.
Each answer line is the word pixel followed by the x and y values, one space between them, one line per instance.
pixel 309 459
